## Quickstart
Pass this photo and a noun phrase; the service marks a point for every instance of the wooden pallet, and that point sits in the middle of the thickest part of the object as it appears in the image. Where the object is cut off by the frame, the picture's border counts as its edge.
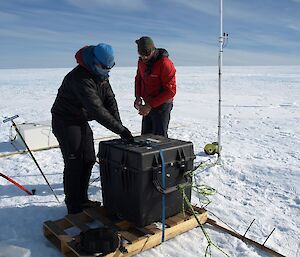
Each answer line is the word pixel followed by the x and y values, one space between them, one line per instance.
pixel 135 239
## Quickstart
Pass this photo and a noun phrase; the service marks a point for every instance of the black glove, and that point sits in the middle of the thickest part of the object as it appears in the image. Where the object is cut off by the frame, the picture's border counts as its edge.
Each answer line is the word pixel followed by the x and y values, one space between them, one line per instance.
pixel 127 136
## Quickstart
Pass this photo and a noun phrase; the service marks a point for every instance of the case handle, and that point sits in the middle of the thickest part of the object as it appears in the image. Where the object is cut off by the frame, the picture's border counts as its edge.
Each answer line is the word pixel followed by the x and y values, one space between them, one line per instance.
pixel 171 189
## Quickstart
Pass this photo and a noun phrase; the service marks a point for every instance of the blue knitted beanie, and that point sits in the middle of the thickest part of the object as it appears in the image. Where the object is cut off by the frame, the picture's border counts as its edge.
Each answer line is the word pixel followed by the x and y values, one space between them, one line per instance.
pixel 104 54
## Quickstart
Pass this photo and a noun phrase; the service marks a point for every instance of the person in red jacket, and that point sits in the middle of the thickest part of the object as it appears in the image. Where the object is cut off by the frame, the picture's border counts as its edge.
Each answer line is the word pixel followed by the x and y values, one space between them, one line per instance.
pixel 155 87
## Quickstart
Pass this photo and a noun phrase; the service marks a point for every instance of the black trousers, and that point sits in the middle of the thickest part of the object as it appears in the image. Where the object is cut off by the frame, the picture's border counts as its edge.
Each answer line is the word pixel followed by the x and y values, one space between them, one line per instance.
pixel 77 147
pixel 157 121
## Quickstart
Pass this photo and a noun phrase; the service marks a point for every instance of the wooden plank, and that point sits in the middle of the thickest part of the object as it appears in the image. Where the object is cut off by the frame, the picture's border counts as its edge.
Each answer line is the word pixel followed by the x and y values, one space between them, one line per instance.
pixel 128 236
pixel 140 239
pixel 79 220
pixel 51 227
pixel 179 218
pixel 97 215
pixel 63 223
pixel 185 226
pixel 196 209
pixel 148 242
pixel 170 222
pixel 153 229
pixel 100 214
pixel 115 254
pixel 57 235
pixel 143 244
pixel 182 216
pixel 75 250
pixel 174 220
pixel 245 239
pixel 124 225
pixel 101 210
pixel 146 231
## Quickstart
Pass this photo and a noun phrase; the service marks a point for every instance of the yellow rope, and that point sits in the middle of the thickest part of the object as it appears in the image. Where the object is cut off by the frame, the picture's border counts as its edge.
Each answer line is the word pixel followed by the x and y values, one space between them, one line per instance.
pixel 209 241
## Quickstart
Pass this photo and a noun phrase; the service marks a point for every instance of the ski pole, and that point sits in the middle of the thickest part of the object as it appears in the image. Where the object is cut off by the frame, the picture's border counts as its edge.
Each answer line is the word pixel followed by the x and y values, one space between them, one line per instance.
pixel 18 132
pixel 95 178
pixel 17 184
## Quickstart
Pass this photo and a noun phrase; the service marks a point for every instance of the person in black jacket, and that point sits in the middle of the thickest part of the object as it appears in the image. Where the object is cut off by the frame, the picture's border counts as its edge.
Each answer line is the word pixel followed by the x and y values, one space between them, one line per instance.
pixel 85 94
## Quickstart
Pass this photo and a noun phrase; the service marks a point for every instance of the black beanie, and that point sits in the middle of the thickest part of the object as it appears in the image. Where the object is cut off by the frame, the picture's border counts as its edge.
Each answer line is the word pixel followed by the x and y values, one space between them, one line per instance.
pixel 145 45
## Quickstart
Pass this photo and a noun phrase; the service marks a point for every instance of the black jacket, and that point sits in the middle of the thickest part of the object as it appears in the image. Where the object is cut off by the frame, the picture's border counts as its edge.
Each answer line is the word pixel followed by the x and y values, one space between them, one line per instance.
pixel 84 97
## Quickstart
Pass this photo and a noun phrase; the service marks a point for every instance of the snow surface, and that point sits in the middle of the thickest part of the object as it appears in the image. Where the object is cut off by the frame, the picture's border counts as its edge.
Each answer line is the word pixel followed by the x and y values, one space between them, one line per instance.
pixel 259 176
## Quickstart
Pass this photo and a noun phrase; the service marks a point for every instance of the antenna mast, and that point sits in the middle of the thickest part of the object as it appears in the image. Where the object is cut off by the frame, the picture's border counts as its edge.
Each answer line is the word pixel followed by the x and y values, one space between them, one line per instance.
pixel 222 40
pixel 216 147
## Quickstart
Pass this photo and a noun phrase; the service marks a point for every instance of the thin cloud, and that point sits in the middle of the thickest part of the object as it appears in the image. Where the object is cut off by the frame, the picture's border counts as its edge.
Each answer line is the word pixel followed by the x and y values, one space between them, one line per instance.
pixel 261 39
pixel 8 17
pixel 189 30
pixel 40 35
pixel 207 7
pixel 120 4
pixel 254 57
pixel 294 27
pixel 243 12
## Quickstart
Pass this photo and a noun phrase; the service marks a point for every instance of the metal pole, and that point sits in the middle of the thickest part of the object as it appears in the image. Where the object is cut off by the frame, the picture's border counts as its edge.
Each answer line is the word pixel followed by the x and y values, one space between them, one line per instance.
pixel 29 151
pixel 36 163
pixel 269 236
pixel 248 227
pixel 16 184
pixel 221 41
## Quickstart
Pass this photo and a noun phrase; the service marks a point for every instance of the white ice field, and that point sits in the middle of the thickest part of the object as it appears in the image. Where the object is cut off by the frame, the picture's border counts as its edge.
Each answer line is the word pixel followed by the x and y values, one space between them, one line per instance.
pixel 259 177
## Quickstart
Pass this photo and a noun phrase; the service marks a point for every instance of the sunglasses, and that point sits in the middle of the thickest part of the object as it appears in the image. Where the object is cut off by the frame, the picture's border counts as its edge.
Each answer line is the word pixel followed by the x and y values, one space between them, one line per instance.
pixel 105 67
pixel 146 54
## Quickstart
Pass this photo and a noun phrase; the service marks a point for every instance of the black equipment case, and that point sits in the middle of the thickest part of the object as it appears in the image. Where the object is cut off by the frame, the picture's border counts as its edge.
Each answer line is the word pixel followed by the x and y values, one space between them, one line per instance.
pixel 131 176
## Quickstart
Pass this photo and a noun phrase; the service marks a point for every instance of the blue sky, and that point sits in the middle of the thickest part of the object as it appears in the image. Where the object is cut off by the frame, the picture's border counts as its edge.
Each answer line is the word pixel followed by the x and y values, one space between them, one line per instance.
pixel 47 33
